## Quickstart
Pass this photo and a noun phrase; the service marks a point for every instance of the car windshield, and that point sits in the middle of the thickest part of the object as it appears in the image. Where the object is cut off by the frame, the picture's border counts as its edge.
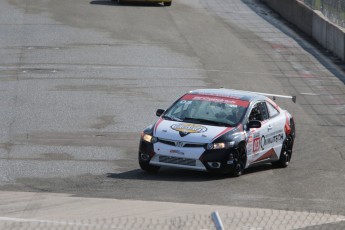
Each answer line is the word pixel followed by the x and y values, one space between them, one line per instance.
pixel 205 109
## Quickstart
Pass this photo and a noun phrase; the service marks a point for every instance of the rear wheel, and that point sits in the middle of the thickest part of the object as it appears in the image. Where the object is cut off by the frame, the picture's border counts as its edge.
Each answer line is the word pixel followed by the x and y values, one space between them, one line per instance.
pixel 239 162
pixel 167 3
pixel 285 154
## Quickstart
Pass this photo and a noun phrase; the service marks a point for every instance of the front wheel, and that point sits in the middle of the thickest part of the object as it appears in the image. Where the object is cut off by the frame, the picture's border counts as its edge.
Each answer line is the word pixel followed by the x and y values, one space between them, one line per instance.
pixel 167 3
pixel 239 162
pixel 147 167
pixel 285 154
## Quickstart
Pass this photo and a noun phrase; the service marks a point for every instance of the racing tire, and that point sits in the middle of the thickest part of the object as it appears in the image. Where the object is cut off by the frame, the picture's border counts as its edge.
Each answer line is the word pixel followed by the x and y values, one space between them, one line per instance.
pixel 239 162
pixel 167 3
pixel 285 154
pixel 148 168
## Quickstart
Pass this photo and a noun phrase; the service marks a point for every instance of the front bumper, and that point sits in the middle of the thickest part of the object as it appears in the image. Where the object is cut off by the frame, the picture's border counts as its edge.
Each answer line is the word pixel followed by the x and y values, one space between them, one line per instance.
pixel 177 162
pixel 210 160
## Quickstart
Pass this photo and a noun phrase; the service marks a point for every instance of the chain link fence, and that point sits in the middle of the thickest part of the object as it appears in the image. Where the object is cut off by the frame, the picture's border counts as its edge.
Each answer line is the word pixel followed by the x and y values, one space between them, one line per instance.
pixel 334 10
pixel 239 219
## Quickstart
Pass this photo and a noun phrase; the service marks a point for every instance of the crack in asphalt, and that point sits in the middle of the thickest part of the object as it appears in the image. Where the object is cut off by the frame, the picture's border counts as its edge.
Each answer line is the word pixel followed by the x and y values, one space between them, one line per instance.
pixel 340 153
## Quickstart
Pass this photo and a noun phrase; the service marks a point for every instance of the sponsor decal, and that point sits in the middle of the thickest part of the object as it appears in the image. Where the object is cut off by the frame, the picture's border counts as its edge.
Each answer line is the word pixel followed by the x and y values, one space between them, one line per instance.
pixel 250 139
pixel 176 152
pixel 219 99
pixel 179 144
pixel 256 142
pixel 185 129
pixel 256 145
pixel 249 146
pixel 272 138
pixel 185 102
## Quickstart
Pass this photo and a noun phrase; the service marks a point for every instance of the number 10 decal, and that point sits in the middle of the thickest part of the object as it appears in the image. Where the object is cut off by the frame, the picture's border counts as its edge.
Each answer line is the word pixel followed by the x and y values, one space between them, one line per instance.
pixel 256 145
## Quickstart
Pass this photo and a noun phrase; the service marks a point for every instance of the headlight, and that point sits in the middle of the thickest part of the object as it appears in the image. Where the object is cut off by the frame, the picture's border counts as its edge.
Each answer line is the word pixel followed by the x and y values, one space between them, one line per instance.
pixel 222 145
pixel 148 138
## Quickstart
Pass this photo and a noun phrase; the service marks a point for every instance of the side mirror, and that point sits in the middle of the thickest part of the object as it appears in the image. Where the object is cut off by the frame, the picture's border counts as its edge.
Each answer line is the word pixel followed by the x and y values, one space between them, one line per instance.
pixel 159 112
pixel 254 124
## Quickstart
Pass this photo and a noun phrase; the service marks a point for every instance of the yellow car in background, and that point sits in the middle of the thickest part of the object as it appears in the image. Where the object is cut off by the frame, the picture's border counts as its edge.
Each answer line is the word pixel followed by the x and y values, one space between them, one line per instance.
pixel 165 2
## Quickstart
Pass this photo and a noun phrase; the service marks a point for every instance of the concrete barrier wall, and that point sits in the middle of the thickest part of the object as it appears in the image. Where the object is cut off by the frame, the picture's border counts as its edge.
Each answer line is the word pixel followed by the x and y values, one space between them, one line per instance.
pixel 328 35
pixel 313 23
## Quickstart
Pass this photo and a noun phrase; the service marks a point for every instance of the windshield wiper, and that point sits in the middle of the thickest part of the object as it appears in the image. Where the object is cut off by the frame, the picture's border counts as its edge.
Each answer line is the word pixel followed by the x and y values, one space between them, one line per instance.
pixel 171 118
pixel 206 121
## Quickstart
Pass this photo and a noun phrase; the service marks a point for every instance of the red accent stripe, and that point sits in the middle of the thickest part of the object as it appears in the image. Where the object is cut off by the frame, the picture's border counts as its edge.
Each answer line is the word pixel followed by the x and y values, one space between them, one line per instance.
pixel 224 131
pixel 269 153
pixel 227 100
pixel 240 127
pixel 287 126
pixel 273 103
pixel 157 124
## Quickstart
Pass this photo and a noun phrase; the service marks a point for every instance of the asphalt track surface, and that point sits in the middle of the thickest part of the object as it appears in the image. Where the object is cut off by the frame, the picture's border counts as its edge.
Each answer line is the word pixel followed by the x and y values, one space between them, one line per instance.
pixel 80 79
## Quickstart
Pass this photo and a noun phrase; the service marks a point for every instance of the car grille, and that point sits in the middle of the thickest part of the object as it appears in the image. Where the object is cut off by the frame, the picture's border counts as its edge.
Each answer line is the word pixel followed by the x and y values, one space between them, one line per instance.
pixel 186 144
pixel 177 161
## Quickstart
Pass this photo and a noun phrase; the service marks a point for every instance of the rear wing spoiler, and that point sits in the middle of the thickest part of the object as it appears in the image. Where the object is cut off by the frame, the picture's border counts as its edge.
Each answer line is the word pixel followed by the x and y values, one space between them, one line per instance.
pixel 274 96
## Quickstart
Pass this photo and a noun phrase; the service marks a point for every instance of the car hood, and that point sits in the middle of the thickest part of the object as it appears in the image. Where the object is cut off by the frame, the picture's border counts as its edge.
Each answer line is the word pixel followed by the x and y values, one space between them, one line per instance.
pixel 188 132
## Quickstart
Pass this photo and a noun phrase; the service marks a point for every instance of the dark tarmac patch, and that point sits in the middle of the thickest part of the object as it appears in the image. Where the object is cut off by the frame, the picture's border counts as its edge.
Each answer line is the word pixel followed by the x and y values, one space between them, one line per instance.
pixel 105 121
pixel 7 146
pixel 79 139
pixel 57 156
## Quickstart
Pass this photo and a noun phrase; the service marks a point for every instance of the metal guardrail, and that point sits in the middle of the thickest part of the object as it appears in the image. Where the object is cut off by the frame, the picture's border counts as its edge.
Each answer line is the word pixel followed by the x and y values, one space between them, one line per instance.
pixel 334 10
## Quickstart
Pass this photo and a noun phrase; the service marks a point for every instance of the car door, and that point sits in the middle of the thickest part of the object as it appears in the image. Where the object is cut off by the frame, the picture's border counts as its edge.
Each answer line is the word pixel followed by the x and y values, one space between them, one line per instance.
pixel 278 121
pixel 259 147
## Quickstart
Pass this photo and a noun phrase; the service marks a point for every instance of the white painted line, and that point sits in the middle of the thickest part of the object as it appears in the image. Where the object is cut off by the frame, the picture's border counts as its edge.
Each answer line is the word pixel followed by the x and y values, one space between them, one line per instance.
pixel 310 94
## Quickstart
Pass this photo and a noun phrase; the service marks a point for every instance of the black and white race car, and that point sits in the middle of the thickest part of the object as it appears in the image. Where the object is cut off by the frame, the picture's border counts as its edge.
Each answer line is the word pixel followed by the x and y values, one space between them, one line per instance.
pixel 219 130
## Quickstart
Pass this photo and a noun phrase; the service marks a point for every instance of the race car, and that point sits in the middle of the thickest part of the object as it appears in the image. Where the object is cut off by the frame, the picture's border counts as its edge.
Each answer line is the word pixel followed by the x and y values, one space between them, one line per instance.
pixel 165 2
pixel 219 130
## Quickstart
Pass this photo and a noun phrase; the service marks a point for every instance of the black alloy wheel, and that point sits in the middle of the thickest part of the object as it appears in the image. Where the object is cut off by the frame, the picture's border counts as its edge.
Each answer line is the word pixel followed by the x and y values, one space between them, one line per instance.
pixel 239 162
pixel 147 167
pixel 285 154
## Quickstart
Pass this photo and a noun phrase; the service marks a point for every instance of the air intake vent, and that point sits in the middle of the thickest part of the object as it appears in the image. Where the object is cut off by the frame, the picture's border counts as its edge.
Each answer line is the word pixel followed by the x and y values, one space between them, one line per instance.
pixel 177 161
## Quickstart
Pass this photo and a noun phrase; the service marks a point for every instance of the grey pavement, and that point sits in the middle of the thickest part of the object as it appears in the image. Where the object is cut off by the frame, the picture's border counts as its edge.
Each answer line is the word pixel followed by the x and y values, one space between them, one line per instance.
pixel 80 79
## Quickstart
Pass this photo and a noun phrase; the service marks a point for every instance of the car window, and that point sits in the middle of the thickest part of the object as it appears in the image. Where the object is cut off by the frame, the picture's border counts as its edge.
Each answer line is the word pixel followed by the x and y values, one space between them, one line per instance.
pixel 272 110
pixel 259 112
pixel 255 114
pixel 264 110
pixel 198 109
pixel 180 108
